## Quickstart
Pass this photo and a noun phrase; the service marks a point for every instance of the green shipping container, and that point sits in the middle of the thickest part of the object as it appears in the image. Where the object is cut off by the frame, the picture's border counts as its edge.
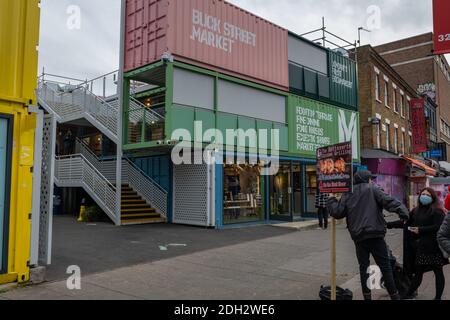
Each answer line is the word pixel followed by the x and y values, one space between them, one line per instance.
pixel 313 124
pixel 343 80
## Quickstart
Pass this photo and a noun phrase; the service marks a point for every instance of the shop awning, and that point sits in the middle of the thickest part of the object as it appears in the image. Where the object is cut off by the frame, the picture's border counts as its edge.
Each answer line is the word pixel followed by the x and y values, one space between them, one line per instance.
pixel 417 163
pixel 378 154
pixel 445 165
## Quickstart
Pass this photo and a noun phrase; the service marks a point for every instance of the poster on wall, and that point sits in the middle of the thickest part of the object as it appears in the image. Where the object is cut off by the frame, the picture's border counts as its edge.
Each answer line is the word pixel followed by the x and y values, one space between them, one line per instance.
pixel 441 11
pixel 335 168
pixel 418 123
pixel 314 125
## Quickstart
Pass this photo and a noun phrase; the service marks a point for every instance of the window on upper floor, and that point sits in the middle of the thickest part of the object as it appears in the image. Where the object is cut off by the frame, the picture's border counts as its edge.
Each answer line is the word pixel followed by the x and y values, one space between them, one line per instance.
pixel 378 136
pixel 386 94
pixel 394 99
pixel 402 105
pixel 388 137
pixel 403 142
pixel 408 108
pixel 396 140
pixel 445 128
pixel 377 87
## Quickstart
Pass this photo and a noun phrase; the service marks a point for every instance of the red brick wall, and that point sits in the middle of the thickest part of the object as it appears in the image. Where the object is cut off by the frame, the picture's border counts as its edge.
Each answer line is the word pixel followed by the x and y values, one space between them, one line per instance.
pixel 421 72
pixel 369 106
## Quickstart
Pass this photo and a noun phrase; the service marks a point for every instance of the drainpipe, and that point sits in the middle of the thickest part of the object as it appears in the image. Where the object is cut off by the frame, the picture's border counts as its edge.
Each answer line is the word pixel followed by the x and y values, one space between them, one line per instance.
pixel 120 117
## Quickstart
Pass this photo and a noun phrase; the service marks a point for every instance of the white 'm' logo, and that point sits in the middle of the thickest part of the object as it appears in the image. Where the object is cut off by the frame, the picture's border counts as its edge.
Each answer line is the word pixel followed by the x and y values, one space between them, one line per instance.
pixel 349 131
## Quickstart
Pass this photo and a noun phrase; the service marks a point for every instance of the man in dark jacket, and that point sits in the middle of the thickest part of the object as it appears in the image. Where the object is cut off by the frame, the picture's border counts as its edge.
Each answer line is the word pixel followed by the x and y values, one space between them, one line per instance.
pixel 365 220
pixel 443 237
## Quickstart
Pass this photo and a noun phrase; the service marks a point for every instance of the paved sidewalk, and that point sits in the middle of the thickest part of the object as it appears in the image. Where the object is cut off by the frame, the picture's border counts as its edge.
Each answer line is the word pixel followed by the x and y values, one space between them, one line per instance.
pixel 253 263
pixel 304 225
pixel 260 263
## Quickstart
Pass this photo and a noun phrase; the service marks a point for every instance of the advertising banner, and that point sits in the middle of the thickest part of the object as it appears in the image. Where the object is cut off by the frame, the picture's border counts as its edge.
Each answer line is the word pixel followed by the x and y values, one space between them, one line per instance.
pixel 314 125
pixel 418 123
pixel 343 86
pixel 335 168
pixel 441 16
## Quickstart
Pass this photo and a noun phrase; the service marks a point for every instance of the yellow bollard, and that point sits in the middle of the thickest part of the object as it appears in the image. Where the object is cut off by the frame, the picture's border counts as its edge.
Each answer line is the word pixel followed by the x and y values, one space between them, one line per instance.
pixel 82 216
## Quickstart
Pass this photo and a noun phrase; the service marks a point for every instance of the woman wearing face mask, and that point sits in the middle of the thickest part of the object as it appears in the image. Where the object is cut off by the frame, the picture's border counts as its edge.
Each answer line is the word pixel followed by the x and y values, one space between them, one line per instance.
pixel 424 225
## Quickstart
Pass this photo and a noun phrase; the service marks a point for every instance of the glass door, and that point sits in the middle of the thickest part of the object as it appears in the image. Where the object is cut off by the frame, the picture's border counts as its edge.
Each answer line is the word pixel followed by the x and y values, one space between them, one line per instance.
pixel 280 186
pixel 297 203
pixel 3 189
pixel 311 188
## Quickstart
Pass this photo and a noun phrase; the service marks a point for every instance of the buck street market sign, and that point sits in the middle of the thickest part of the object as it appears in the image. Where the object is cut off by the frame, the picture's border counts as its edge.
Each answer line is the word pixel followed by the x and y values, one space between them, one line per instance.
pixel 314 125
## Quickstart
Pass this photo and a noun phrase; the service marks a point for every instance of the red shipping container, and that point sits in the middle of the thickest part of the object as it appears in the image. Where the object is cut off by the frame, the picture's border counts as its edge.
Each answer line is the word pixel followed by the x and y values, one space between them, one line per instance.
pixel 208 33
pixel 441 16
pixel 419 138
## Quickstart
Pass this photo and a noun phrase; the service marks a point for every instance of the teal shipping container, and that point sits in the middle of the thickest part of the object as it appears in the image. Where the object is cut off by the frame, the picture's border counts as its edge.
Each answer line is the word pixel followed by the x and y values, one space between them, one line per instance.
pixel 343 80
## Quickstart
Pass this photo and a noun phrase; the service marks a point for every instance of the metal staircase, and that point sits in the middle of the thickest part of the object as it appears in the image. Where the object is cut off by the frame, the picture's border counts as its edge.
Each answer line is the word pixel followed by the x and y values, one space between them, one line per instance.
pixel 77 102
pixel 133 178
pixel 142 200
pixel 75 171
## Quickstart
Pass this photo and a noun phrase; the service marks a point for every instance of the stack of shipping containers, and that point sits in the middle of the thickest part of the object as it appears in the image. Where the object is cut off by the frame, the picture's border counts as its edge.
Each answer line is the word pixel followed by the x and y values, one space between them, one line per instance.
pixel 19 32
pixel 214 64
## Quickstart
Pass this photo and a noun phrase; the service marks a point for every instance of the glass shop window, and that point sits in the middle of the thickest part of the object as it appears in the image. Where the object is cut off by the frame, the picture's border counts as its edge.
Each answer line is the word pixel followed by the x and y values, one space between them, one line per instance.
pixel 242 194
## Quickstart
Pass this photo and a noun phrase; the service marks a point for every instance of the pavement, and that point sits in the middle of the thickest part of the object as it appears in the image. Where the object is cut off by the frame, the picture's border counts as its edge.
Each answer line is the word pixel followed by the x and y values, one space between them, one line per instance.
pixel 157 262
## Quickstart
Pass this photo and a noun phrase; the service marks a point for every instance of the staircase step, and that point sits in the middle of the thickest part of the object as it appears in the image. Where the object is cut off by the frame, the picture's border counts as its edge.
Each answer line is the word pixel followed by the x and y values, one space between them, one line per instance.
pixel 129 192
pixel 140 216
pixel 143 221
pixel 136 206
pixel 137 201
pixel 131 197
pixel 139 210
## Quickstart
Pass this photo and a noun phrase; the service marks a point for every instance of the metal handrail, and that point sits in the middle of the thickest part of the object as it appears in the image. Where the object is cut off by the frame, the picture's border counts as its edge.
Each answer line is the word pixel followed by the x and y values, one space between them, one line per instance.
pixel 99 98
pixel 108 111
pixel 145 175
pixel 143 106
pixel 85 161
pixel 86 147
pixel 42 76
pixel 101 77
pixel 88 177
pixel 153 193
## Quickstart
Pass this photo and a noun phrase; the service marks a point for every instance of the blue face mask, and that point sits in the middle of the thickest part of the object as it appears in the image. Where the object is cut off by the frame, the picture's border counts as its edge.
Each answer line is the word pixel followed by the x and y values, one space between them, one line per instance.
pixel 426 200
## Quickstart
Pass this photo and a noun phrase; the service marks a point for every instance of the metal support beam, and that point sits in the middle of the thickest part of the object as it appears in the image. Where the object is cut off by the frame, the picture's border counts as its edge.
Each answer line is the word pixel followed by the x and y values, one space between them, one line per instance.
pixel 36 201
pixel 120 117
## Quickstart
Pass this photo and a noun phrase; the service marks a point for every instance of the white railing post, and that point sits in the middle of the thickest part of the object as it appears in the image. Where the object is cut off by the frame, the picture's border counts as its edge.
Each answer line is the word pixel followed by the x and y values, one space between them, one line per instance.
pixel 119 117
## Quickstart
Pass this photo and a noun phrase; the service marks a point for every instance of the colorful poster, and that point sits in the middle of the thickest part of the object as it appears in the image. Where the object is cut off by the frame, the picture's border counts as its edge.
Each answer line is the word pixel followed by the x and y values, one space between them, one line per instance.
pixel 418 123
pixel 335 168
pixel 314 125
pixel 441 16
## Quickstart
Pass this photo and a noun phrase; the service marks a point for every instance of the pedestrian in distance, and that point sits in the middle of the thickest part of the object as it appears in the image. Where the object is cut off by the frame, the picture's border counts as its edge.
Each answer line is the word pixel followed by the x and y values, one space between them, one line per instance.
pixel 68 143
pixel 447 200
pixel 443 237
pixel 322 211
pixel 363 209
pixel 425 222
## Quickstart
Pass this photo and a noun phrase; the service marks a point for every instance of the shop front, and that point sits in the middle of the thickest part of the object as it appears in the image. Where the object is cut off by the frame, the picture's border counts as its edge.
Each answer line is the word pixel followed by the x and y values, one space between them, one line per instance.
pixel 243 186
pixel 418 177
pixel 292 191
pixel 390 170
pixel 246 196
pixel 249 196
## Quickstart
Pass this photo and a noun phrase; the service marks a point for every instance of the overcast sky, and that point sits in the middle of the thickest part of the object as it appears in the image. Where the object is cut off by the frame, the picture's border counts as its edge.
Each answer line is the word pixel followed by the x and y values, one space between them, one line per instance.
pixel 93 49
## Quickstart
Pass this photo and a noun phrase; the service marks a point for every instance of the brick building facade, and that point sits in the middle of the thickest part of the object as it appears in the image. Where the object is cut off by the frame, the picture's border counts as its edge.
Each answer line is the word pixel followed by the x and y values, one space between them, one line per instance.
pixel 384 104
pixel 413 59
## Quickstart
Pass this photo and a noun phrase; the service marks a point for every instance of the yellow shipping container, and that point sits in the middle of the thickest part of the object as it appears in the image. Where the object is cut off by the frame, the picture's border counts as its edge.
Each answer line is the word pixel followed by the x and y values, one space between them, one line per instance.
pixel 19 36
